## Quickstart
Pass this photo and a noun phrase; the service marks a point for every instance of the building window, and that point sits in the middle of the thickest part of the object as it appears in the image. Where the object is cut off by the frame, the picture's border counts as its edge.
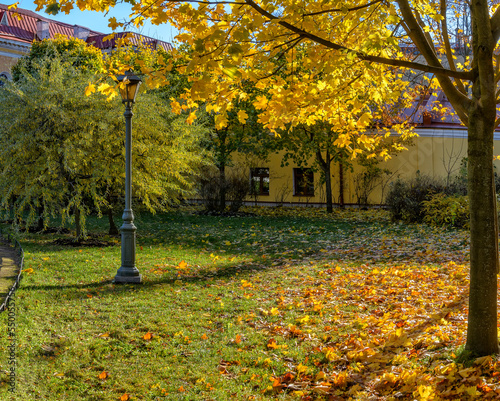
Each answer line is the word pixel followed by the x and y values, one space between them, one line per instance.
pixel 303 182
pixel 259 181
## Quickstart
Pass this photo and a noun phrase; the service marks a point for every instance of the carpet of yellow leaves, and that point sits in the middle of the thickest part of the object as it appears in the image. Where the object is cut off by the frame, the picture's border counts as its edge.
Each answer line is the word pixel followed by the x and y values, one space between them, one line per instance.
pixel 389 334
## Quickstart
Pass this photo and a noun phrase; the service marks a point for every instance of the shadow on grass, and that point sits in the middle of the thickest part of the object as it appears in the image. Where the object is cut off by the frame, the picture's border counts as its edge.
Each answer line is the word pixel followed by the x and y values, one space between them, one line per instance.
pixel 203 277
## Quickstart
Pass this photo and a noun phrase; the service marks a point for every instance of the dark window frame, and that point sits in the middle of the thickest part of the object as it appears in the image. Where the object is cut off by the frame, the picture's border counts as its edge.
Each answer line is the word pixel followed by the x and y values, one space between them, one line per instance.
pixel 258 176
pixel 303 182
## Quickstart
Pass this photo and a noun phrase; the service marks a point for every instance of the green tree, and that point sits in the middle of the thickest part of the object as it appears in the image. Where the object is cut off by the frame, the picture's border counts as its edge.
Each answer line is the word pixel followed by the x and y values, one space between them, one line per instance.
pixel 238 134
pixel 62 152
pixel 74 51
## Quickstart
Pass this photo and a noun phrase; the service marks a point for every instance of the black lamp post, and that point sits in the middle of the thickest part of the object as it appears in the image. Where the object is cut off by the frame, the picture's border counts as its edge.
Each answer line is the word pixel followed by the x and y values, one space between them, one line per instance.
pixel 128 273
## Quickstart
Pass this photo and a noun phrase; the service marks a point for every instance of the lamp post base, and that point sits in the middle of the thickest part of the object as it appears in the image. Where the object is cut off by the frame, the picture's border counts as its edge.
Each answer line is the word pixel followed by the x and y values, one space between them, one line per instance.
pixel 128 273
pixel 127 279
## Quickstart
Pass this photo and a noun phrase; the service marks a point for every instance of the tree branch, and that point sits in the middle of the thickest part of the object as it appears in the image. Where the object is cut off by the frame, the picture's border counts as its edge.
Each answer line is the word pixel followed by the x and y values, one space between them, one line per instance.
pixel 495 25
pixel 447 46
pixel 459 101
pixel 439 70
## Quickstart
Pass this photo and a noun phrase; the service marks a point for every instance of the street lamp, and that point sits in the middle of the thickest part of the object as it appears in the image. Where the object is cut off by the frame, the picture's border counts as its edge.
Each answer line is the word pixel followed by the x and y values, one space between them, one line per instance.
pixel 128 273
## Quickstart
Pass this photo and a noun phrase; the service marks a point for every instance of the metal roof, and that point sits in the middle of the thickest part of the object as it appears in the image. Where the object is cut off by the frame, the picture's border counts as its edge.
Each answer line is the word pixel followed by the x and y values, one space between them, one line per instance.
pixel 134 38
pixel 21 25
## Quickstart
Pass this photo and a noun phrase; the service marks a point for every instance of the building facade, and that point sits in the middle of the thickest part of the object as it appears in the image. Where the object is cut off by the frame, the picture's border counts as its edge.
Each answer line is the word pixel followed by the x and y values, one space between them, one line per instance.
pixel 439 150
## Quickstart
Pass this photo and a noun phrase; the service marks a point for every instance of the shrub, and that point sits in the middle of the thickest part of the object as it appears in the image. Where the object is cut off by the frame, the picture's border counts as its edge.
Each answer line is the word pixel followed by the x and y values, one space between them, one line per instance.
pixel 405 197
pixel 210 186
pixel 238 188
pixel 447 210
pixel 233 190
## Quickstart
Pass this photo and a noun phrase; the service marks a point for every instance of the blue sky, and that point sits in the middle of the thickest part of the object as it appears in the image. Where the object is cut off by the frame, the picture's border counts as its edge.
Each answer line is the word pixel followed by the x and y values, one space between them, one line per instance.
pixel 99 22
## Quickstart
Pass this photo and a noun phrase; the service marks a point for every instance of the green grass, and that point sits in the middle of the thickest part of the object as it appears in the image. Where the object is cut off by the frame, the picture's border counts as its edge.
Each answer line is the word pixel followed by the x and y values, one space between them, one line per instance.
pixel 255 301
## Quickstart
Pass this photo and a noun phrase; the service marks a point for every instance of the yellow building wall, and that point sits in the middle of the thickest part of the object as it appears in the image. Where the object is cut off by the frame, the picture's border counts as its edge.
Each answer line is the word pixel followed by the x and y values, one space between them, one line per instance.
pixel 436 153
pixel 6 63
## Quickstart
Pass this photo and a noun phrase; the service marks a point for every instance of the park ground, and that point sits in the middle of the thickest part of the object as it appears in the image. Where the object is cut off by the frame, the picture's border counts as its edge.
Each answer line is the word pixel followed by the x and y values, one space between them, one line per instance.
pixel 285 304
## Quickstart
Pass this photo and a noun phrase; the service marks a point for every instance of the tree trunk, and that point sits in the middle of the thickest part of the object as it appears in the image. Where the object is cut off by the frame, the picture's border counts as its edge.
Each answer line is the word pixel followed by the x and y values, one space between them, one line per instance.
pixel 40 226
pixel 482 336
pixel 341 184
pixel 222 188
pixel 113 229
pixel 328 187
pixel 78 224
pixel 325 164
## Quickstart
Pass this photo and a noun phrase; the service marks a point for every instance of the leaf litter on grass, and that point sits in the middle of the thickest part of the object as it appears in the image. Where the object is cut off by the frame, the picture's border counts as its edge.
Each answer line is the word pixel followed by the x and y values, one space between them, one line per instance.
pixel 294 305
pixel 384 319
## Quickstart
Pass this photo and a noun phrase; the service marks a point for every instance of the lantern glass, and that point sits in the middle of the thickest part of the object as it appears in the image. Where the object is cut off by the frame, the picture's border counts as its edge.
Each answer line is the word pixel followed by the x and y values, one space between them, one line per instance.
pixel 131 88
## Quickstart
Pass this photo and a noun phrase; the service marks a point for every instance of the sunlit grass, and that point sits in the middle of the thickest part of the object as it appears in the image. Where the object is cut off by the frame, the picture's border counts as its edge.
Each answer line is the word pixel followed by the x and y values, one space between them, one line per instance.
pixel 227 305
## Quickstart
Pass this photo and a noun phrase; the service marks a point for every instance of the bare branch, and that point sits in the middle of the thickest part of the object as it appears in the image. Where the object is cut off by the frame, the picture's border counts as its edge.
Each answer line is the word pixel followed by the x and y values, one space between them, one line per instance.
pixel 459 100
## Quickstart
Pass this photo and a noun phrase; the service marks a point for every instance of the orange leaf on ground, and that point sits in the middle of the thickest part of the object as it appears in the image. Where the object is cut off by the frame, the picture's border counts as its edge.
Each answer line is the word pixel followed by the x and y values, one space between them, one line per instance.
pixel 147 336
pixel 103 375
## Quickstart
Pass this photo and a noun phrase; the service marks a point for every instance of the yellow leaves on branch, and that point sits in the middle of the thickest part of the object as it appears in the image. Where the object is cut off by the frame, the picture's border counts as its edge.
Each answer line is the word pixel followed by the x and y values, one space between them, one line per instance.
pixel 191 118
pixel 301 82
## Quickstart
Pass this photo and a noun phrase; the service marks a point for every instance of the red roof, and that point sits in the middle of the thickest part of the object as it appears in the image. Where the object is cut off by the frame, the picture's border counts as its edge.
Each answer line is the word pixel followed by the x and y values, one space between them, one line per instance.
pixel 21 26
pixel 134 38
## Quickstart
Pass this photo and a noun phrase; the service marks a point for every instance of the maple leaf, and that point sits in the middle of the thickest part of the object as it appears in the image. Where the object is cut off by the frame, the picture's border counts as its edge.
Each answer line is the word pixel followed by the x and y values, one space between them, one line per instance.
pixel 242 116
pixel 148 336
pixel 124 397
pixel 103 375
pixel 90 89
pixel 246 284
pixel 113 24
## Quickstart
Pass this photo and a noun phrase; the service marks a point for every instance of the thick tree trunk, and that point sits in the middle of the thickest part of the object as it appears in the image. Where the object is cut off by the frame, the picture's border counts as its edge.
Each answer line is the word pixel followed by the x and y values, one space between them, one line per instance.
pixel 482 331
pixel 482 336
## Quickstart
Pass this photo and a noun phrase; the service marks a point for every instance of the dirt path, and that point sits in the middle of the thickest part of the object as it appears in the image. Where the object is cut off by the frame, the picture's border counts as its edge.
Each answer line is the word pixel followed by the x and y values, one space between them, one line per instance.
pixel 9 269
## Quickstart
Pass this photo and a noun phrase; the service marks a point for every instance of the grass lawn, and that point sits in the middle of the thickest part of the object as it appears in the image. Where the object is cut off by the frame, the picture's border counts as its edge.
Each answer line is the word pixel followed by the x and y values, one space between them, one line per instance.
pixel 281 304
